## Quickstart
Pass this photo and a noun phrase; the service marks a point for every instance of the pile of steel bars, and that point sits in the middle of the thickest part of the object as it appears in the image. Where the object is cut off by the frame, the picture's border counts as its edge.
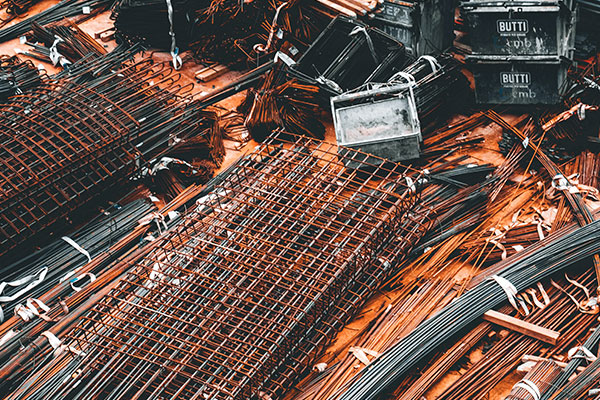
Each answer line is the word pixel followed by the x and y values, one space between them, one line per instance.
pixel 553 254
pixel 237 296
pixel 63 143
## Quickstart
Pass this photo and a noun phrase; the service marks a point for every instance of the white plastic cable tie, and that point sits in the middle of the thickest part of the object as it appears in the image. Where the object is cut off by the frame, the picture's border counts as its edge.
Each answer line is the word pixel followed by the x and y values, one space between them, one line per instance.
pixel 536 301
pixel 173 215
pixel 320 367
pixel 501 247
pixel 511 293
pixel 411 184
pixel 586 353
pixel 525 142
pixel 361 354
pixel 52 339
pixel 581 111
pixel 331 84
pixel 407 77
pixel 77 247
pixel 31 281
pixel 30 311
pixel 559 182
pixel 73 281
pixel 55 56
pixel 24 313
pixel 526 366
pixel 435 65
pixel 285 58
pixel 69 274
pixel 86 10
pixel 363 30
pixel 530 387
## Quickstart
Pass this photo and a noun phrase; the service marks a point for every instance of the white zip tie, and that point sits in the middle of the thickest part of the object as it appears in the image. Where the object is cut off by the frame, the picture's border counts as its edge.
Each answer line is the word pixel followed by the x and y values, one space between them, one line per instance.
pixel 31 281
pixel 320 367
pixel 411 184
pixel 536 301
pixel 511 293
pixel 530 387
pixel 55 56
pixel 77 247
pixel 29 312
pixel 435 65
pixel 361 354
pixel 289 61
pixel 544 293
pixel 52 339
pixel 587 354
pixel 77 289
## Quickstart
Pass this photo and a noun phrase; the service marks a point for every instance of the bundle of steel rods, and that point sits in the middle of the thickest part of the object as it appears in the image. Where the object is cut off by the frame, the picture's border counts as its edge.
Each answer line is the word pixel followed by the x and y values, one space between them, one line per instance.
pixel 280 102
pixel 17 76
pixel 553 254
pixel 224 31
pixel 64 143
pixel 82 9
pixel 62 256
pixel 148 21
pixel 225 302
pixel 63 43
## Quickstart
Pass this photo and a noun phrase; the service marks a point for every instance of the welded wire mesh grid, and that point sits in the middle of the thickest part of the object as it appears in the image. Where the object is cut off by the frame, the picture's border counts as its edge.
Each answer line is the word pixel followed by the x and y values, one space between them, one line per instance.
pixel 224 301
pixel 63 142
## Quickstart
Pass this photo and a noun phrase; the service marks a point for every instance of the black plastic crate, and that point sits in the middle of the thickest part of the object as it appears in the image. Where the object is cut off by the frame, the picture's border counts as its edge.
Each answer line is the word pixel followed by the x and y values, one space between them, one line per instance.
pixel 424 27
pixel 536 81
pixel 521 27
pixel 348 54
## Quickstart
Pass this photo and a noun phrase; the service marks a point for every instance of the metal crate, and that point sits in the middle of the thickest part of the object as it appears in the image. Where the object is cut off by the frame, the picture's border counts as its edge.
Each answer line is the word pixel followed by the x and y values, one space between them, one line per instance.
pixel 519 81
pixel 424 27
pixel 381 120
pixel 521 27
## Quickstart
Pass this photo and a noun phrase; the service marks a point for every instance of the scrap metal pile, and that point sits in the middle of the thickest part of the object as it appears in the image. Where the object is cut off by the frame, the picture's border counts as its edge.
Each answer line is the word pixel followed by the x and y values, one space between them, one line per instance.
pixel 162 239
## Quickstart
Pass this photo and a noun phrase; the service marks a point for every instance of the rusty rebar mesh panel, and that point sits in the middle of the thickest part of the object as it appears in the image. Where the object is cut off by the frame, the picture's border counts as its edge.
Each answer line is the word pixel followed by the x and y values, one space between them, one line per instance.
pixel 230 297
pixel 63 143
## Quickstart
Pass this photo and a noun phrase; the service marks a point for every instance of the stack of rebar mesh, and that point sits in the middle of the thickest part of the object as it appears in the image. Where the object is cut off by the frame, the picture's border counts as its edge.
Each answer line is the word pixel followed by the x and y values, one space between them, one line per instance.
pixel 237 300
pixel 64 143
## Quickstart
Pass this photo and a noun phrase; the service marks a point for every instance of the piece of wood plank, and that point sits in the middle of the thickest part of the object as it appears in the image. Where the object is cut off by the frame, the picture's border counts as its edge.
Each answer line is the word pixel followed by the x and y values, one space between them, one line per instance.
pixel 211 72
pixel 526 328
pixel 338 8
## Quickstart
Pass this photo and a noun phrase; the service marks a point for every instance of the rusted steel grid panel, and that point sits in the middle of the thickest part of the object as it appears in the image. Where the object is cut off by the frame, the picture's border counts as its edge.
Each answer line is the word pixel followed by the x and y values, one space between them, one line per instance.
pixel 228 297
